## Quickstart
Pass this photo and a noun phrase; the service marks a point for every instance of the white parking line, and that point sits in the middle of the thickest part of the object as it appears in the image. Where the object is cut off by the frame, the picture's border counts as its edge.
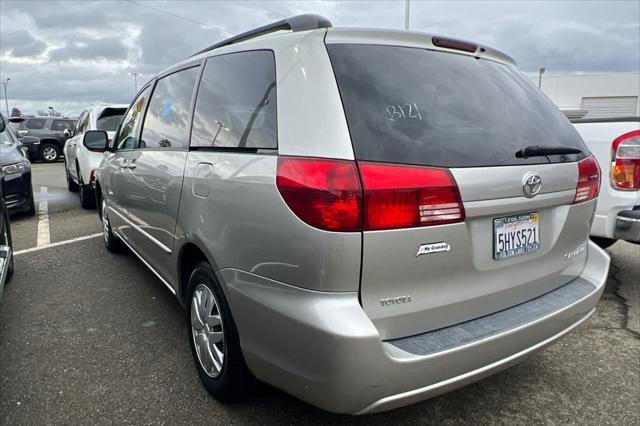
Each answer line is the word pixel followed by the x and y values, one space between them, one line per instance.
pixel 59 243
pixel 43 219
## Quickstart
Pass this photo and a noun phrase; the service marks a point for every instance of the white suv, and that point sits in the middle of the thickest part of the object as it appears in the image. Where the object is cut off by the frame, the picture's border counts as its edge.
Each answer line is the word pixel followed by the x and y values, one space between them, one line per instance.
pixel 80 160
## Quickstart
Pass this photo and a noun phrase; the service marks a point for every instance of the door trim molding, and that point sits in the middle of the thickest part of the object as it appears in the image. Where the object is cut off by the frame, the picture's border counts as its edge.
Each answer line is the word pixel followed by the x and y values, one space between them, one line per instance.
pixel 147 264
pixel 142 231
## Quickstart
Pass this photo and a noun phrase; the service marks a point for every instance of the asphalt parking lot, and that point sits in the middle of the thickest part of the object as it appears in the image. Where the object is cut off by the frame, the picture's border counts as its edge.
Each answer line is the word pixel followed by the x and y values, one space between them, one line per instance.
pixel 91 337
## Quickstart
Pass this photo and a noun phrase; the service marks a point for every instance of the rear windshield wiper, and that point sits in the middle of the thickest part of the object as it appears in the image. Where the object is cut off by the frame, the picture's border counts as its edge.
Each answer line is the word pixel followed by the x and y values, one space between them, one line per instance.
pixel 542 151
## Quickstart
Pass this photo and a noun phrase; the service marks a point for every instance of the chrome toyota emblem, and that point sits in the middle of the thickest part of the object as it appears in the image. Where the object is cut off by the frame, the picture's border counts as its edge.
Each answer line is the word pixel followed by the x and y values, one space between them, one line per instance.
pixel 531 184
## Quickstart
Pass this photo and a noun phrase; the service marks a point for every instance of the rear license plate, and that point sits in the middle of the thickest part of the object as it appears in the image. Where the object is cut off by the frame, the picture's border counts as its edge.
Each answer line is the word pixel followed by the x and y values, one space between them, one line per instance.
pixel 515 235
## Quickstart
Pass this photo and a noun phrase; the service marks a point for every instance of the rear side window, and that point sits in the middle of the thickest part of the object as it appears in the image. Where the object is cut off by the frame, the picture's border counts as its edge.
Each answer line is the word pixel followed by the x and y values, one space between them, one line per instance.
pixel 61 125
pixel 35 123
pixel 110 119
pixel 128 135
pixel 83 123
pixel 79 122
pixel 167 122
pixel 236 103
pixel 416 106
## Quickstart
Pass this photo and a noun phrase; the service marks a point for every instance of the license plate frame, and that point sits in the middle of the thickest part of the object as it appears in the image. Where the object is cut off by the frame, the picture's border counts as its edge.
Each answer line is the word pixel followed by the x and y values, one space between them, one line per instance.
pixel 525 226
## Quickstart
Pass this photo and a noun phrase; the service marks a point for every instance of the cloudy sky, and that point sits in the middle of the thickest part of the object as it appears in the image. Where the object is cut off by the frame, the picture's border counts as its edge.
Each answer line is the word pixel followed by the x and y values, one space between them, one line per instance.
pixel 70 54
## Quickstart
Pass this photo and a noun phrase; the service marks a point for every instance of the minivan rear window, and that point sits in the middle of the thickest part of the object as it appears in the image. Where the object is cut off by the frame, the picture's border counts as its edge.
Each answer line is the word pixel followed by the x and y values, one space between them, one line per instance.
pixel 417 106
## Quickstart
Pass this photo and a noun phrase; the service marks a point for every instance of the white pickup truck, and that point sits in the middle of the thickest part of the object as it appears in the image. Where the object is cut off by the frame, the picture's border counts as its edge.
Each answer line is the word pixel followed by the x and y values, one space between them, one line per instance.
pixel 616 144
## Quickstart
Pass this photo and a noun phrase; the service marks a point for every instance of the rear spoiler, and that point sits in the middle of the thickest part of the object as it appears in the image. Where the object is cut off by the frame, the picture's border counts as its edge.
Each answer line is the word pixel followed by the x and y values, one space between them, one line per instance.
pixel 605 120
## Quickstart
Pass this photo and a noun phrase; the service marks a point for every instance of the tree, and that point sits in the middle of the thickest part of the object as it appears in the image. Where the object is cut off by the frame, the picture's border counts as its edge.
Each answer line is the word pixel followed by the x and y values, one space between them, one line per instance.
pixel 15 112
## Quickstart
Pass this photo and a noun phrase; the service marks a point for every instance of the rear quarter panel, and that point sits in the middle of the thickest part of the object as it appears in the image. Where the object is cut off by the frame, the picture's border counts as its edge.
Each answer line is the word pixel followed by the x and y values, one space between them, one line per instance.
pixel 87 161
pixel 243 223
pixel 231 208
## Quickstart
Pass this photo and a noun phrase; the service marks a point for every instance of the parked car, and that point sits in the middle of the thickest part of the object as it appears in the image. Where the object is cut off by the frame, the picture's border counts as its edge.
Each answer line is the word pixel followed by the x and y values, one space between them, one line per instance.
pixel 362 218
pixel 6 248
pixel 615 142
pixel 50 134
pixel 15 170
pixel 6 252
pixel 82 160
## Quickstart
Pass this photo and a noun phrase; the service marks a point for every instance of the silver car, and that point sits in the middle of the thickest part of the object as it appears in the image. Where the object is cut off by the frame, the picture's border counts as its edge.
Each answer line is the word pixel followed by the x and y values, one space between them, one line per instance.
pixel 362 218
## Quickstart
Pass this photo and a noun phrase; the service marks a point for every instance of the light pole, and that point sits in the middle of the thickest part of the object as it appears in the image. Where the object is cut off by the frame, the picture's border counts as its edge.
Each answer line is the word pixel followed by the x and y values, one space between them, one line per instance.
pixel 407 8
pixel 540 72
pixel 135 79
pixel 53 111
pixel 6 101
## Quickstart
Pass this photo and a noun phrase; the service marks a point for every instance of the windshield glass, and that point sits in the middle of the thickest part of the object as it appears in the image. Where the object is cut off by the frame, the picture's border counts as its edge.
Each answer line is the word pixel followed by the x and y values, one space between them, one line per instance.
pixel 5 138
pixel 418 106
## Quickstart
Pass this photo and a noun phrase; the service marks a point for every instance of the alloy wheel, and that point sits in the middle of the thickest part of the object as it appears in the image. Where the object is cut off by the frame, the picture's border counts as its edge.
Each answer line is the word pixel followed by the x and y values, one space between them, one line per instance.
pixel 206 329
pixel 105 222
pixel 49 153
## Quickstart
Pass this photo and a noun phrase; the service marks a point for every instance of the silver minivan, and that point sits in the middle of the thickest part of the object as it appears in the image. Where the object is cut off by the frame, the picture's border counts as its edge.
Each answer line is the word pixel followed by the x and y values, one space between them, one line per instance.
pixel 362 218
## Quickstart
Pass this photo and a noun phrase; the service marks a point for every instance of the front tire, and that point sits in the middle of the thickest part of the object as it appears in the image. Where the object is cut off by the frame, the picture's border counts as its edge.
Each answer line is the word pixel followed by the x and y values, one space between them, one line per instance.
pixel 49 153
pixel 111 242
pixel 5 239
pixel 214 340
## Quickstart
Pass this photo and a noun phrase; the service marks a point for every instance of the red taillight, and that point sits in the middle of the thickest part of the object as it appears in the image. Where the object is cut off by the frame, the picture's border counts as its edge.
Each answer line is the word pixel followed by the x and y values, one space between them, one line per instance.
pixel 408 196
pixel 625 161
pixel 323 193
pixel 92 176
pixel 588 180
pixel 327 194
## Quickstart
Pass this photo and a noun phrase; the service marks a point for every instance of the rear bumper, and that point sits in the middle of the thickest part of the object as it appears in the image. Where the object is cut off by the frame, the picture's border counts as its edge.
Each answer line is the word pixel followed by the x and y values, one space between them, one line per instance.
pixel 322 348
pixel 628 225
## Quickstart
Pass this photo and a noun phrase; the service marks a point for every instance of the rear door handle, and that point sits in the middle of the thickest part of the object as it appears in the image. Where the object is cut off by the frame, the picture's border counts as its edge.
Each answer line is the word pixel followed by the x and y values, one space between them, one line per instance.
pixel 132 164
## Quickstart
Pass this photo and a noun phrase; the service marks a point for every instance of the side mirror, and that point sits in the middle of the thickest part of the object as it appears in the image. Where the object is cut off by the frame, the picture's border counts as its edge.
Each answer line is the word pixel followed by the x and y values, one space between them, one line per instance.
pixel 96 140
pixel 68 133
pixel 22 133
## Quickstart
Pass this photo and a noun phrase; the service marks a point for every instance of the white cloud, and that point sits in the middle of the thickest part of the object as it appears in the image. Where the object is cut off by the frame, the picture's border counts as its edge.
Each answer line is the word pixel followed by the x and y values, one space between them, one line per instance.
pixel 71 53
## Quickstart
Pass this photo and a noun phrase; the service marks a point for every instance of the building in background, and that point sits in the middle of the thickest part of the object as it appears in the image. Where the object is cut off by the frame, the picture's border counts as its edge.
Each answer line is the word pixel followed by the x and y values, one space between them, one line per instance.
pixel 593 95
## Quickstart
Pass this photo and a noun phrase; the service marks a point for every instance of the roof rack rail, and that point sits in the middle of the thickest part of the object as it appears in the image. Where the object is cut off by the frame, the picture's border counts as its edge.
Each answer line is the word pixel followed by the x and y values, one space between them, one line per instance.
pixel 294 23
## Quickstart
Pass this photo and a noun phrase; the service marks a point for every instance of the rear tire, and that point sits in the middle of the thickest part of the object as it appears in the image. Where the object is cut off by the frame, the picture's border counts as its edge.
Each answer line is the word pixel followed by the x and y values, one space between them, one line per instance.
pixel 603 242
pixel 87 197
pixel 111 242
pixel 71 185
pixel 49 153
pixel 228 378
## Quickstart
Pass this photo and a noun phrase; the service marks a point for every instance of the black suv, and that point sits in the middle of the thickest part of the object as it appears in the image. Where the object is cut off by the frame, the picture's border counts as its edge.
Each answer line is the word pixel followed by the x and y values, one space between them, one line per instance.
pixel 50 134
